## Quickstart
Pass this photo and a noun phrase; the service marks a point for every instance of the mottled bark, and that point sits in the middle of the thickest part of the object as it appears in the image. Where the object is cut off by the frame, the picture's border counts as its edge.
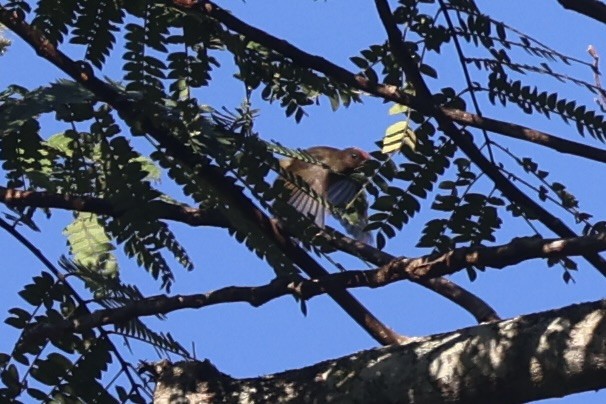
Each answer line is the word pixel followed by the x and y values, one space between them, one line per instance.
pixel 542 355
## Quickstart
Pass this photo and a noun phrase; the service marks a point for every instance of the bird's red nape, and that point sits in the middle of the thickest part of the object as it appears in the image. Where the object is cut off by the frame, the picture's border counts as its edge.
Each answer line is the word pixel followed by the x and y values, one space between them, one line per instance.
pixel 364 154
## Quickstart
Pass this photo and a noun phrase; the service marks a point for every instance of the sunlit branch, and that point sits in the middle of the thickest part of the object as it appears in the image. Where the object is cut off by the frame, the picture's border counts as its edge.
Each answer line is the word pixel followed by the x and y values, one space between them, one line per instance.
pixel 531 357
pixel 595 66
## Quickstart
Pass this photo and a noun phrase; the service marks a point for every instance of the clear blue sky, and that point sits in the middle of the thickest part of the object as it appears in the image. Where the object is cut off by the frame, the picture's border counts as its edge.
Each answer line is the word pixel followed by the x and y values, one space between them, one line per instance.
pixel 245 341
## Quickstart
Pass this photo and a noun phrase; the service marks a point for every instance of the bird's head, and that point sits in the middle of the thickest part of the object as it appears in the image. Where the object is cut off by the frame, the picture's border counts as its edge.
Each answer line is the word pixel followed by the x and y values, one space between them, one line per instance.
pixel 353 157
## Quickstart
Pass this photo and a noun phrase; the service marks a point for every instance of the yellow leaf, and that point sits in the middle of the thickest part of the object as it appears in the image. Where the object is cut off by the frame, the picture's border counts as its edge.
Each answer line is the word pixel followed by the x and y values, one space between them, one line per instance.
pixel 396 128
pixel 410 140
pixel 397 135
pixel 398 109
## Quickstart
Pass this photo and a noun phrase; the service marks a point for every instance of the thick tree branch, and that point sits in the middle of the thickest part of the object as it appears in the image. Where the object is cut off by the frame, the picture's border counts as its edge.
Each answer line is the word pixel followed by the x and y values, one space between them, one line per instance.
pixel 466 144
pixel 232 195
pixel 163 210
pixel 198 217
pixel 537 356
pixel 591 8
pixel 387 92
pixel 425 267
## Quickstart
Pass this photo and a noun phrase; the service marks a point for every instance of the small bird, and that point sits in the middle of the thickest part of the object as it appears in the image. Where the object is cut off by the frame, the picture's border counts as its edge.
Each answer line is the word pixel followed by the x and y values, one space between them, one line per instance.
pixel 330 180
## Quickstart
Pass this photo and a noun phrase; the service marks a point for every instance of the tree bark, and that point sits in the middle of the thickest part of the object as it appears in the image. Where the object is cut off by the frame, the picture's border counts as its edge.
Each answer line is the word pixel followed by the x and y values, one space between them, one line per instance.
pixel 536 356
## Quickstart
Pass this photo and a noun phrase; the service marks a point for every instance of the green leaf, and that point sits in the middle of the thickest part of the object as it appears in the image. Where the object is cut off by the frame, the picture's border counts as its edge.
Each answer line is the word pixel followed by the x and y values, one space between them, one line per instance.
pixel 90 245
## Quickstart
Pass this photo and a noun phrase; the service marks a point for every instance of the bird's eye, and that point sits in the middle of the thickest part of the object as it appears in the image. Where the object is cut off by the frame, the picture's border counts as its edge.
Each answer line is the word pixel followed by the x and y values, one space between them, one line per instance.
pixel 354 156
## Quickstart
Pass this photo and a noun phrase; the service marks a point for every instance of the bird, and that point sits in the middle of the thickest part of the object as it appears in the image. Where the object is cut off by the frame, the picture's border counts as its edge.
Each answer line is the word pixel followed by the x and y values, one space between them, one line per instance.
pixel 331 181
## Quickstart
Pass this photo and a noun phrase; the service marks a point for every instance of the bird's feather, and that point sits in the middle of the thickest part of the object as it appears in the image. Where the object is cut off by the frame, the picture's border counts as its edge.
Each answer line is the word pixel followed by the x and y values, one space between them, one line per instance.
pixel 308 206
pixel 342 191
pixel 306 202
pixel 328 180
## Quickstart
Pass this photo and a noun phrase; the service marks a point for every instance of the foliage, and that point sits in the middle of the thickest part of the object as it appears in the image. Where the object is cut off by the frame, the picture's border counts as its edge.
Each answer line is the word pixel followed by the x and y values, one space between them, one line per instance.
pixel 167 54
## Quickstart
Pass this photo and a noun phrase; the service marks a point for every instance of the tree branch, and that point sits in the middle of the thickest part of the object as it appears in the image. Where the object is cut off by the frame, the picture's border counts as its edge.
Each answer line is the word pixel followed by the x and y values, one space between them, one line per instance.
pixel 466 144
pixel 527 134
pixel 232 195
pixel 422 268
pixel 442 286
pixel 198 217
pixel 591 8
pixel 549 354
pixel 387 92
pixel 164 210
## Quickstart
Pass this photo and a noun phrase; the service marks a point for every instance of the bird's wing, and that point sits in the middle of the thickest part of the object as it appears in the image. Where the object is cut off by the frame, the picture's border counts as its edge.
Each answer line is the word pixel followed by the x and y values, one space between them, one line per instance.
pixel 339 193
pixel 308 205
pixel 342 191
pixel 304 202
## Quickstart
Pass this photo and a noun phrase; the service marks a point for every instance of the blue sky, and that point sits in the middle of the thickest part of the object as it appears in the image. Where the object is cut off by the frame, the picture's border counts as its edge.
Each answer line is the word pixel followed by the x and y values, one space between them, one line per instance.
pixel 245 341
